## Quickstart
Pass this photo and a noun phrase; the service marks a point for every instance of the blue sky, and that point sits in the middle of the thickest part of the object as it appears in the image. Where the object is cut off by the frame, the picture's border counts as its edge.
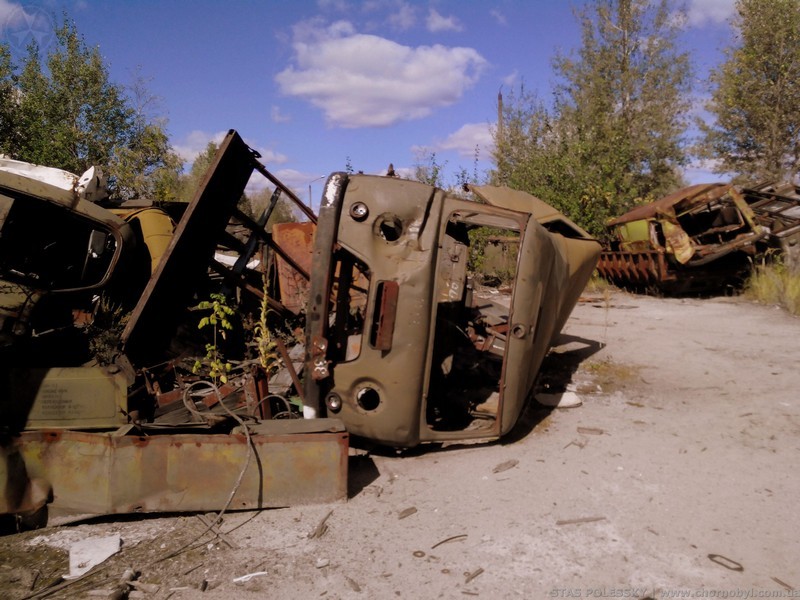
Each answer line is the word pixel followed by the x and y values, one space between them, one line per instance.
pixel 311 84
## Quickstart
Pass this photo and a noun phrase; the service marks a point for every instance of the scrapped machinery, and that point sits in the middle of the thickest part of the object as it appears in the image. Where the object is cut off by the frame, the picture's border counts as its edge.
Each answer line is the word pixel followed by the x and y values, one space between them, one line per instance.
pixel 401 332
pixel 776 207
pixel 702 237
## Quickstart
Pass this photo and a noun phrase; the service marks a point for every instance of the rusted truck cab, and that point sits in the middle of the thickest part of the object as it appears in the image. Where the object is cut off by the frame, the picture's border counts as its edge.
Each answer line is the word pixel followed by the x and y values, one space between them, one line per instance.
pixel 58 250
pixel 429 314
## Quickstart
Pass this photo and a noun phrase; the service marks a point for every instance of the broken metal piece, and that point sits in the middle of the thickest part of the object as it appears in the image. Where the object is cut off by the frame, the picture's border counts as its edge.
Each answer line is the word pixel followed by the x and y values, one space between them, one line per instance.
pixel 455 538
pixel 93 473
pixel 580 520
pixel 697 238
pixel 726 562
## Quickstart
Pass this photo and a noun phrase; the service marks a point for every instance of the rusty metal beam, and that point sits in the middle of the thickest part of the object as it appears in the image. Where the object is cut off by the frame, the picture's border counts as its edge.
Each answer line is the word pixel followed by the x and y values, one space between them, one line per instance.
pixel 295 461
pixel 184 265
pixel 292 196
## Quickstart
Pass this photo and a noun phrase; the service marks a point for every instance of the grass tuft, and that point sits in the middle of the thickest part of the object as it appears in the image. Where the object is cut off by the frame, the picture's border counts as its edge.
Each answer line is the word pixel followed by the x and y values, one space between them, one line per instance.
pixel 775 283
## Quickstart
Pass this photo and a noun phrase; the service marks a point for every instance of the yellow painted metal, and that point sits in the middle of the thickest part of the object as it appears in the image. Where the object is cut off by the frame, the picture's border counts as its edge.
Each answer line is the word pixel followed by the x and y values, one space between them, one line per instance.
pixel 634 231
pixel 157 230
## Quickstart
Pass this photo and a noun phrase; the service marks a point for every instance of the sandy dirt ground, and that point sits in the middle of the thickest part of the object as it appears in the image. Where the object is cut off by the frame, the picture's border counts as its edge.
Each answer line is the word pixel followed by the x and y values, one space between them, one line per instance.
pixel 677 477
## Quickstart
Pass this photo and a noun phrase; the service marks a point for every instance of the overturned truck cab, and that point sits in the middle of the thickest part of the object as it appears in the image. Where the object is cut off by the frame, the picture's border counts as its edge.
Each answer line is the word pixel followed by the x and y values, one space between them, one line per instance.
pixel 429 314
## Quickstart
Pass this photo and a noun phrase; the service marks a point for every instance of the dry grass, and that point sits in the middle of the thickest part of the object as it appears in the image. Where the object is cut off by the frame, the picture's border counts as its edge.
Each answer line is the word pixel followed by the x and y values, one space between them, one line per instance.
pixel 774 283
pixel 611 376
pixel 597 284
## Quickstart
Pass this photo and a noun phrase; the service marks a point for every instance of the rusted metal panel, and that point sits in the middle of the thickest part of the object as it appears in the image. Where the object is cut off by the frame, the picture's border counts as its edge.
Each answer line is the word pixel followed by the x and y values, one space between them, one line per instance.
pixel 297 241
pixel 692 195
pixel 384 320
pixel 185 263
pixel 293 462
pixel 643 268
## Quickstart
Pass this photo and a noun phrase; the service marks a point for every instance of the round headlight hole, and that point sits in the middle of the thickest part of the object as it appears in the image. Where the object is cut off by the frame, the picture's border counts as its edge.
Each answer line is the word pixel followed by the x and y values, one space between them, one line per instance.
pixel 368 398
pixel 389 227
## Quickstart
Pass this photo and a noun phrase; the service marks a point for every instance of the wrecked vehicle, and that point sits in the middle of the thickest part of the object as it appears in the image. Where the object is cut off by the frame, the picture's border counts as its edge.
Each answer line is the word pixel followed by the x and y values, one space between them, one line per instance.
pixel 58 248
pixel 699 238
pixel 776 207
pixel 403 342
pixel 138 433
pixel 412 315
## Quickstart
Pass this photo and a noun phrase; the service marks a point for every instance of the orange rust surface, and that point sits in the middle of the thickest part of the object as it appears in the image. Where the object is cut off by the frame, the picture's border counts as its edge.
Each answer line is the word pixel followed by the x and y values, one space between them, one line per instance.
pixel 296 240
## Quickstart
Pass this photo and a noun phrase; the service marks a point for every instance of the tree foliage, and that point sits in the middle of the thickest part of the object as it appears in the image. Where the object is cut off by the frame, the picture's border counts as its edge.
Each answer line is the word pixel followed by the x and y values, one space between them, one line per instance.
pixel 613 135
pixel 190 182
pixel 65 112
pixel 255 204
pixel 428 169
pixel 756 94
pixel 8 95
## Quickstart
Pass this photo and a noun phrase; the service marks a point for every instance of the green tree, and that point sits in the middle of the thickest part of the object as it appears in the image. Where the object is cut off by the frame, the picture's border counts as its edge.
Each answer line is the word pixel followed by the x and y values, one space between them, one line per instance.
pixel 8 101
pixel 755 96
pixel 255 204
pixel 68 114
pixel 614 134
pixel 191 181
pixel 428 169
pixel 147 166
pixel 73 116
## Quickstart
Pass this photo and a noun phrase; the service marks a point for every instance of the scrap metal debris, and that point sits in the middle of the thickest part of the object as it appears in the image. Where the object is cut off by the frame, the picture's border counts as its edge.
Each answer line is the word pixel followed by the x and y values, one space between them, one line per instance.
pixel 396 315
pixel 455 538
pixel 469 576
pixel 580 521
pixel 407 512
pixel 702 237
pixel 590 430
pixel 505 465
pixel 245 578
pixel 726 562
pixel 321 528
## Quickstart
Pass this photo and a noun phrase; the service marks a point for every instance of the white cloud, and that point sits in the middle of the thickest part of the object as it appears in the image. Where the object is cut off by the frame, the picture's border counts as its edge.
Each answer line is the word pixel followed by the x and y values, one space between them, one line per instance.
pixel 436 22
pixel 511 79
pixel 337 5
pixel 701 12
pixel 404 16
pixel 277 116
pixel 399 14
pixel 298 181
pixel 197 141
pixel 268 156
pixel 498 16
pixel 20 25
pixel 361 80
pixel 705 171
pixel 11 14
pixel 467 138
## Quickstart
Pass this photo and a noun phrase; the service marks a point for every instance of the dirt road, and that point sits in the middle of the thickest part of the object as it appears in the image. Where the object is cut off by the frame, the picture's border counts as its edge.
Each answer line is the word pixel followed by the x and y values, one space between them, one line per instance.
pixel 677 476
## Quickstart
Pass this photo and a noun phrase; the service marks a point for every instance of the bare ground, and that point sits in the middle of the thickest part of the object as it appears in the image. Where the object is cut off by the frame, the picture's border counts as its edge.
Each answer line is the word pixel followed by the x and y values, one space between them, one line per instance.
pixel 676 476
